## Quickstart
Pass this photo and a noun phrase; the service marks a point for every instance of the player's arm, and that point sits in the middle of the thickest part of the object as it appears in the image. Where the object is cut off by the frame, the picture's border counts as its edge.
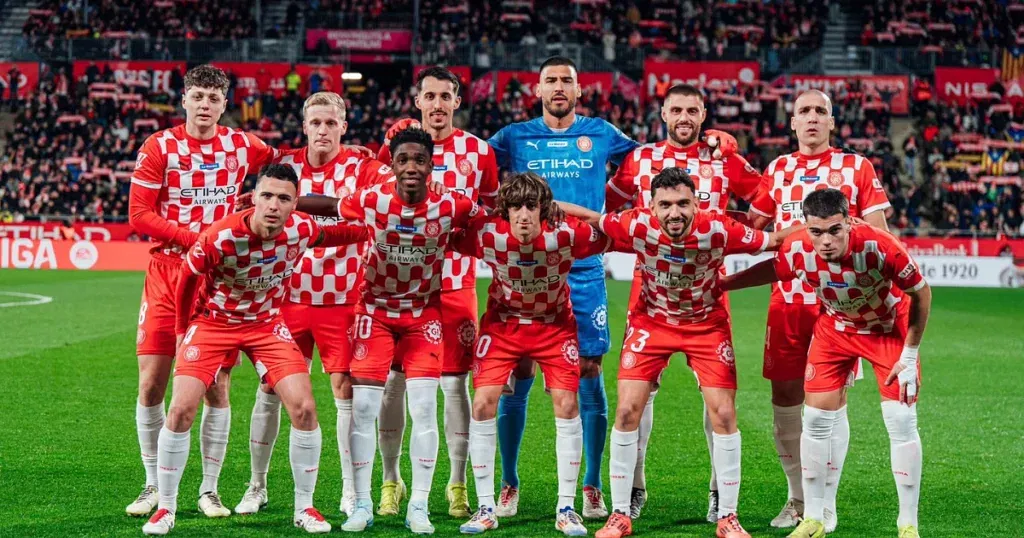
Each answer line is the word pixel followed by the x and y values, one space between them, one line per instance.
pixel 619 145
pixel 744 179
pixel 588 240
pixel 200 259
pixel 776 239
pixel 621 188
pixel 501 143
pixel 488 179
pixel 588 216
pixel 144 197
pixel 762 205
pixel 871 198
pixel 904 273
pixel 339 235
pixel 466 210
pixel 321 206
pixel 260 154
pixel 759 274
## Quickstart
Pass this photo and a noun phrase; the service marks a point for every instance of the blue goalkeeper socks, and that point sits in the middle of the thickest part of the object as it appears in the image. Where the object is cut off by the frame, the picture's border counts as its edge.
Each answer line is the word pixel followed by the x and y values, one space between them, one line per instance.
pixel 594 412
pixel 511 424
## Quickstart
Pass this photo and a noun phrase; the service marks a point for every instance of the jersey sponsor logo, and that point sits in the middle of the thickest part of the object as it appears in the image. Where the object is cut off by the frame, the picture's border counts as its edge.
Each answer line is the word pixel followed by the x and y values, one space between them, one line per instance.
pixel 706 171
pixel 191 354
pixel 726 353
pixel 282 333
pixel 263 283
pixel 849 305
pixel 808 179
pixel 465 167
pixel 268 259
pixel 384 170
pixel 910 269
pixel 584 143
pixel 553 258
pixel 359 351
pixel 405 228
pixel 703 258
pixel 560 168
pixel 406 254
pixel 557 144
pixel 600 317
pixel 432 331
pixel 571 352
pixel 209 195
pixel 667 279
pixel 835 179
pixel 440 167
pixel 794 209
pixel 467 333
pixel 533 145
pixel 865 281
pixel 209 166
pixel 293 252
pixel 839 285
pixel 703 196
pixel 677 259
pixel 628 360
pixel 231 163
pixel 432 229
pixel 526 263
pixel 529 286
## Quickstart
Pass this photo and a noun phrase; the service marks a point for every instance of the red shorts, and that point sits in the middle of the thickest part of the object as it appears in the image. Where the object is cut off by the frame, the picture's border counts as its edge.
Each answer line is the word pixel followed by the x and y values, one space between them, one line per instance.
pixel 787 339
pixel 707 344
pixel 156 314
pixel 553 346
pixel 378 336
pixel 210 346
pixel 458 319
pixel 833 356
pixel 328 327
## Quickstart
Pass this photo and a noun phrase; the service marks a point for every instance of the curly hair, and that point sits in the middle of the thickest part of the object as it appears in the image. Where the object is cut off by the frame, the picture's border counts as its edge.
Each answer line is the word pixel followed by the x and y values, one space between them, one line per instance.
pixel 412 135
pixel 526 189
pixel 207 76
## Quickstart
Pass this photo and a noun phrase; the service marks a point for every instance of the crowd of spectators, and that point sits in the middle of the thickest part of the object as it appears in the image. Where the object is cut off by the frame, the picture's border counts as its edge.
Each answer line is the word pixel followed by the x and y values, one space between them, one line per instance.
pixel 943 25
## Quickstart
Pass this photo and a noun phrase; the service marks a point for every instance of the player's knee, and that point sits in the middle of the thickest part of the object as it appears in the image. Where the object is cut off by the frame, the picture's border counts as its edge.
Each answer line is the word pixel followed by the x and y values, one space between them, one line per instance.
pixel 723 416
pixel 627 416
pixel 218 395
pixel 788 393
pixel 590 367
pixel 341 385
pixel 151 393
pixel 180 418
pixel 565 404
pixel 303 415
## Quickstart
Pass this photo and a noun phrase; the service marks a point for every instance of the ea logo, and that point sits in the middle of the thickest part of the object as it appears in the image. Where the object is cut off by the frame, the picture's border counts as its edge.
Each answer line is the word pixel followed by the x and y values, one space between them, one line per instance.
pixel 835 179
pixel 726 354
pixel 584 143
pixel 628 360
pixel 84 254
pixel 231 163
pixel 706 171
pixel 432 229
pixel 191 354
pixel 432 331
pixel 571 352
pixel 465 167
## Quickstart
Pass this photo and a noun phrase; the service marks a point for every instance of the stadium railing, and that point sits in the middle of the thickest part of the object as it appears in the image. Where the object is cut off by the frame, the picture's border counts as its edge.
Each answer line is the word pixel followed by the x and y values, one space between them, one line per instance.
pixel 358 21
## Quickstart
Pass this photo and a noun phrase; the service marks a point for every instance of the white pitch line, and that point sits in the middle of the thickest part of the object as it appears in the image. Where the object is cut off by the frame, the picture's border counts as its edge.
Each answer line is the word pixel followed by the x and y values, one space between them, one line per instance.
pixel 35 299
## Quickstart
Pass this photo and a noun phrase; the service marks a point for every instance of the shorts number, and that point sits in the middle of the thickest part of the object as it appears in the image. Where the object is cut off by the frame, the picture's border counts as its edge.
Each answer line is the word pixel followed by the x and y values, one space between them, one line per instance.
pixel 189 334
pixel 482 345
pixel 364 325
pixel 142 312
pixel 641 339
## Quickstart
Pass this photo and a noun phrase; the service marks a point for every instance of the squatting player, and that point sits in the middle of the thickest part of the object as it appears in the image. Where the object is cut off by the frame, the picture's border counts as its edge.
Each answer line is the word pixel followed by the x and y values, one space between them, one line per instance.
pixel 323 290
pixel 715 179
pixel 571 153
pixel 680 249
pixel 794 309
pixel 185 178
pixel 465 164
pixel 528 315
pixel 855 270
pixel 409 230
pixel 240 268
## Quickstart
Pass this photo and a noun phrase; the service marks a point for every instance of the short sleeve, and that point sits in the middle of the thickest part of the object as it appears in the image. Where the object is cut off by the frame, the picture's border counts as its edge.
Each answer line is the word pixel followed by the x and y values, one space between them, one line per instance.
pixel 742 239
pixel 464 211
pixel 384 154
pixel 150 165
pixel 617 225
pixel 587 240
pixel 501 144
pixel 619 145
pixel 899 266
pixel 488 178
pixel 373 172
pixel 870 193
pixel 744 179
pixel 783 268
pixel 467 242
pixel 622 187
pixel 202 257
pixel 763 203
pixel 260 154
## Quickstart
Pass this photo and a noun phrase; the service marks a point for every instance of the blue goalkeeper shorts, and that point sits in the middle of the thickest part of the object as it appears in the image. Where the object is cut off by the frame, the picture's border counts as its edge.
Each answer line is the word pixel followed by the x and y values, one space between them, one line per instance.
pixel 590 305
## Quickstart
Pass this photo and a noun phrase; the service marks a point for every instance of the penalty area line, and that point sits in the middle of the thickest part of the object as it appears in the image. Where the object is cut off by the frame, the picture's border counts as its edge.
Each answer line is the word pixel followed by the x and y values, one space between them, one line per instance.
pixel 32 299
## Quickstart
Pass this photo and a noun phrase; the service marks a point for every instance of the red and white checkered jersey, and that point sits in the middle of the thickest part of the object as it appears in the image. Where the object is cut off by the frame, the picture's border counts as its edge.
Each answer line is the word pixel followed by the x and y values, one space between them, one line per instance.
pixel 198 179
pixel 331 276
pixel 465 164
pixel 790 178
pixel 407 245
pixel 715 179
pixel 680 279
pixel 858 290
pixel 530 279
pixel 246 275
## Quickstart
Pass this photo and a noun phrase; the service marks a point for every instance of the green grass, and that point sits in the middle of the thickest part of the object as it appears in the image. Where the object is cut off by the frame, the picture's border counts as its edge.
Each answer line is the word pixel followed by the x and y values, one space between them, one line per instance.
pixel 69 459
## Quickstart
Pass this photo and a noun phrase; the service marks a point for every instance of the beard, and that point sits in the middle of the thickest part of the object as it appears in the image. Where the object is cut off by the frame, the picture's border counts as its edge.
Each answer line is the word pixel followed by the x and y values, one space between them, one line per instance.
pixel 694 133
pixel 571 105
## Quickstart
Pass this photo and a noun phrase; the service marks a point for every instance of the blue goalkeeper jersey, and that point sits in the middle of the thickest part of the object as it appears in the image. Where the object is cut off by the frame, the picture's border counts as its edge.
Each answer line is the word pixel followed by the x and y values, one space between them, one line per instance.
pixel 573 161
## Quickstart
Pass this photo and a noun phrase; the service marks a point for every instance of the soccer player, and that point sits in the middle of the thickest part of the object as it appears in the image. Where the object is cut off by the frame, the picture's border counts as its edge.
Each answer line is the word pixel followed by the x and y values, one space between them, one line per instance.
pixel 185 178
pixel 571 153
pixel 528 315
pixel 715 179
pixel 794 309
pixel 465 164
pixel 320 309
pixel 239 267
pixel 409 230
pixel 680 249
pixel 863 276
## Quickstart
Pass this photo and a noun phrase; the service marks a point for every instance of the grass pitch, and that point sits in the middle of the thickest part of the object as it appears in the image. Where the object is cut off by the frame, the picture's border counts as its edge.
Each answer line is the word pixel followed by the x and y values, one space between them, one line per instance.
pixel 69 459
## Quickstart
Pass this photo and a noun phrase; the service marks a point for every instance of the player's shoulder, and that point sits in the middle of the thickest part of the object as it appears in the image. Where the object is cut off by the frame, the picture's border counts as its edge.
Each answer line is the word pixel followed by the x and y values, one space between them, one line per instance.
pixel 646 151
pixel 226 226
pixel 473 142
pixel 292 156
pixel 783 162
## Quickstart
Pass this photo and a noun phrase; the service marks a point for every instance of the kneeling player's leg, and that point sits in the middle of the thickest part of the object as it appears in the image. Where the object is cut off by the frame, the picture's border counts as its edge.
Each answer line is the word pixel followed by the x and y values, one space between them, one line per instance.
pixel 422 363
pixel 590 306
pixel 562 377
pixel 460 315
pixel 264 427
pixel 373 349
pixel 512 420
pixel 214 429
pixel 633 395
pixel 336 357
pixel 341 386
pixel 154 372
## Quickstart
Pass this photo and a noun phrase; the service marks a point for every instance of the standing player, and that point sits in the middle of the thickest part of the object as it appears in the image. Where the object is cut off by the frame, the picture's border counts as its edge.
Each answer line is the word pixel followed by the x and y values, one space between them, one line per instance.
pixel 240 267
pixel 185 178
pixel 409 229
pixel 571 153
pixel 855 271
pixel 715 178
pixel 794 309
pixel 465 164
pixel 528 315
pixel 321 305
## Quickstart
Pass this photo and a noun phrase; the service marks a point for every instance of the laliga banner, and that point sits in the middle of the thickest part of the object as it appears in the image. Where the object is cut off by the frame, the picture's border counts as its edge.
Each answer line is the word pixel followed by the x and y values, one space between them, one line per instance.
pixel 700 74
pixel 898 85
pixel 156 76
pixel 601 81
pixel 80 255
pixel 961 84
pixel 249 76
pixel 28 80
pixel 50 230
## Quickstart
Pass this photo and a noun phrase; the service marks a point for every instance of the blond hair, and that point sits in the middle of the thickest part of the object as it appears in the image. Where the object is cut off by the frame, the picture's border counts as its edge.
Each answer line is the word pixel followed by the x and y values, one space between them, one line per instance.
pixel 325 99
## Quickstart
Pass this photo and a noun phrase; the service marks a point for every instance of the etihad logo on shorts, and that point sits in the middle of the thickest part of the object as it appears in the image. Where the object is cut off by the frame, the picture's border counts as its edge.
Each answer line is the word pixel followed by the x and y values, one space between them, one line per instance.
pixel 533 285
pixel 263 283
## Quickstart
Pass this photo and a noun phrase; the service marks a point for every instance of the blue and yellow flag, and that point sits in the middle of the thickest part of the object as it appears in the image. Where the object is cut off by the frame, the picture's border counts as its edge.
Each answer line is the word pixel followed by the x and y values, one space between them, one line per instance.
pixel 1013 63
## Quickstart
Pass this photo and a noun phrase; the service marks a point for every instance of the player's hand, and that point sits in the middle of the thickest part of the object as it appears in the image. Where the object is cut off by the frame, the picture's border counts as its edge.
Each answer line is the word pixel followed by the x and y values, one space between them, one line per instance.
pixel 905 371
pixel 243 201
pixel 362 151
pixel 856 220
pixel 436 187
pixel 343 192
pixel 556 215
pixel 722 143
pixel 400 126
